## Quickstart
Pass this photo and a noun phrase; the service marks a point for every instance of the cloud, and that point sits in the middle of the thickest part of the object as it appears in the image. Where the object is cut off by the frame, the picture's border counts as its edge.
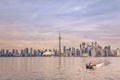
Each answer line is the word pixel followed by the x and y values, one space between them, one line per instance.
pixel 30 22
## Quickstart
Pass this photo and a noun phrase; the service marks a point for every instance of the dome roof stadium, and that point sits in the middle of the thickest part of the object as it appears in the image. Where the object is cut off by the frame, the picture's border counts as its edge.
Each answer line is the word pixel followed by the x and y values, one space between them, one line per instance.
pixel 47 53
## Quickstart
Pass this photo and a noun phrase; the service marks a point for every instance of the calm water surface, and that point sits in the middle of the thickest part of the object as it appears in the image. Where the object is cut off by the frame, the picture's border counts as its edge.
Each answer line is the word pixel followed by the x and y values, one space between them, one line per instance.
pixel 55 68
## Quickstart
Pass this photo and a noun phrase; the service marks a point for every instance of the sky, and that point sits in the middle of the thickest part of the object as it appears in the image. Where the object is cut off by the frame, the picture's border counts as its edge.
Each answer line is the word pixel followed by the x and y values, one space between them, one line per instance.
pixel 37 23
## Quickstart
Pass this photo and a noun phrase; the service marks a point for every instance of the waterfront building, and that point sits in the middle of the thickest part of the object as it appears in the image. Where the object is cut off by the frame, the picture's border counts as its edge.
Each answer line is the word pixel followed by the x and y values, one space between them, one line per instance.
pixel 26 51
pixel 3 52
pixel 35 52
pixel 7 53
pixel 0 53
pixel 16 53
pixel 13 52
pixel 69 53
pixel 22 53
pixel 89 51
pixel 77 52
pixel 109 50
pixel 39 52
pixel 70 50
pixel 118 52
pixel 92 44
pixel 80 46
pixel 106 52
pixel 95 44
pixel 73 51
pixel 83 47
pixel 114 53
pixel 93 52
pixel 55 52
pixel 31 51
pixel 48 53
pixel 85 53
pixel 80 49
pixel 100 52
pixel 60 45
pixel 86 50
pixel 64 50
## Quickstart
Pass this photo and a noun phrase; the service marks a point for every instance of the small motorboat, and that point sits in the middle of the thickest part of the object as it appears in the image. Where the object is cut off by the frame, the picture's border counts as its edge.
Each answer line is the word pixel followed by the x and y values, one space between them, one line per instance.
pixel 90 65
pixel 94 65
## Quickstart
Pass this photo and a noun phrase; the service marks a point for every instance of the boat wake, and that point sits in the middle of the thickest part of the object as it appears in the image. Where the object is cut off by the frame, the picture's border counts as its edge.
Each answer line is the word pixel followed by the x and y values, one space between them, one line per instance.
pixel 105 63
pixel 99 65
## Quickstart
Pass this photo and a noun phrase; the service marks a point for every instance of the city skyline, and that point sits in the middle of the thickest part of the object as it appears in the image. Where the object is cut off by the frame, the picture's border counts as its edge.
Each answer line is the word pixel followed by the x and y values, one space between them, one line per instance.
pixel 29 23
pixel 92 49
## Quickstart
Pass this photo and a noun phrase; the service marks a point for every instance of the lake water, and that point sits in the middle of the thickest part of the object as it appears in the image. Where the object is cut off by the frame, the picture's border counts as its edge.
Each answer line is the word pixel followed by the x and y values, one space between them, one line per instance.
pixel 56 68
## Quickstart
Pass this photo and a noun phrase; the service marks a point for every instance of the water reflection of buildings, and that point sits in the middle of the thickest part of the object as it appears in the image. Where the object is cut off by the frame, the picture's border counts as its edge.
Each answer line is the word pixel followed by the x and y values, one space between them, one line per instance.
pixel 59 64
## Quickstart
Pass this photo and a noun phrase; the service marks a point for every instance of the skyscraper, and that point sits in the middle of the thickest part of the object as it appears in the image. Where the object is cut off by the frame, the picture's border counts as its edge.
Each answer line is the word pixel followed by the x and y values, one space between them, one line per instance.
pixel 80 46
pixel 106 51
pixel 92 44
pixel 83 47
pixel 64 50
pixel 93 52
pixel 95 44
pixel 31 51
pixel 7 52
pixel 118 52
pixel 59 44
pixel 109 51
pixel 73 51
pixel 77 52
pixel 3 52
pixel 13 52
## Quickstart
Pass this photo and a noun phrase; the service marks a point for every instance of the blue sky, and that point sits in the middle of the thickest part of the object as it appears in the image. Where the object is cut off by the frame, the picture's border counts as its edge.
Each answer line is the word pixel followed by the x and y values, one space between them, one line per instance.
pixel 36 23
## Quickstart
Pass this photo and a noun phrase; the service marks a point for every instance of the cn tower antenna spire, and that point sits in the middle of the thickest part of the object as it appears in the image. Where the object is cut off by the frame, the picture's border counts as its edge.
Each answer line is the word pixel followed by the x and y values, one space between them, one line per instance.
pixel 59 43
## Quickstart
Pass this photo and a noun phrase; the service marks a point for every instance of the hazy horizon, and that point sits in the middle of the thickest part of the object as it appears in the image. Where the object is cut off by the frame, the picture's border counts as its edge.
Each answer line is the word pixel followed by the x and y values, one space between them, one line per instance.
pixel 37 23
